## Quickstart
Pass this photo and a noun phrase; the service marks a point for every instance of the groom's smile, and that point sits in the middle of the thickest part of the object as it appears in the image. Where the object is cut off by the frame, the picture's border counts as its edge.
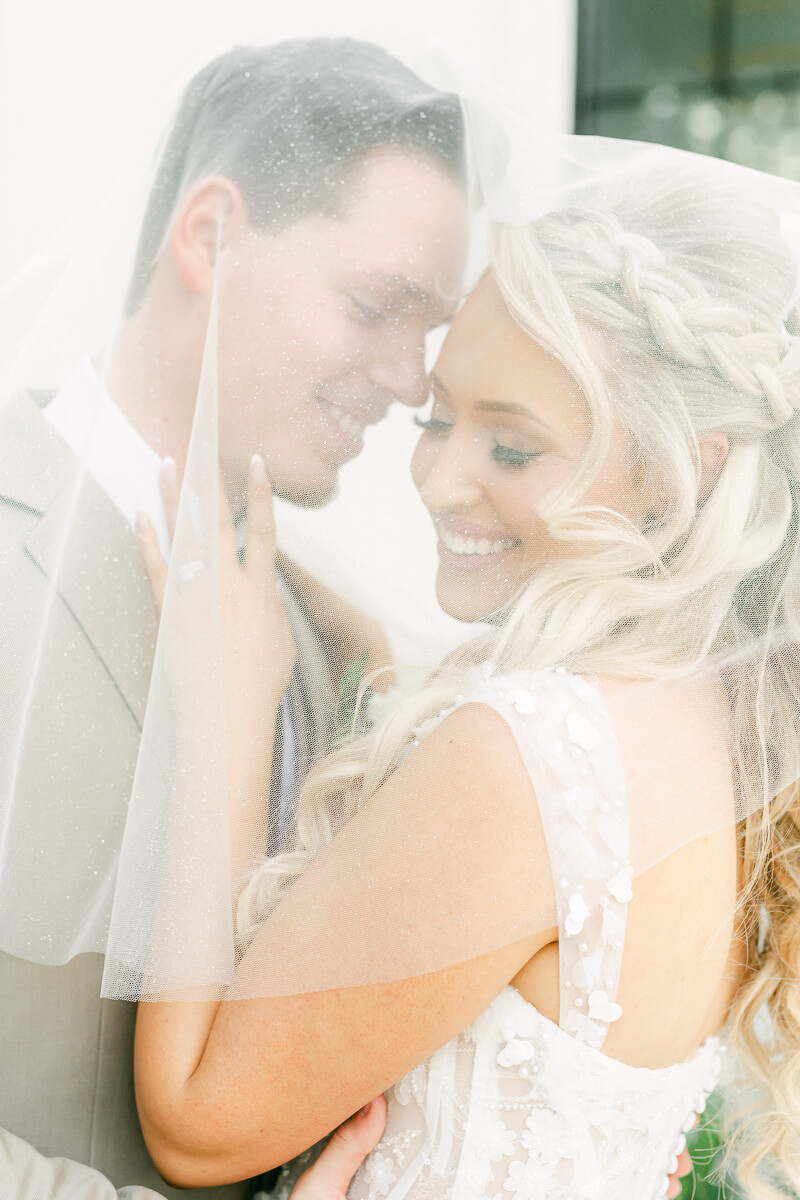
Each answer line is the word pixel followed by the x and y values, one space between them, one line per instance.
pixel 348 418
pixel 325 321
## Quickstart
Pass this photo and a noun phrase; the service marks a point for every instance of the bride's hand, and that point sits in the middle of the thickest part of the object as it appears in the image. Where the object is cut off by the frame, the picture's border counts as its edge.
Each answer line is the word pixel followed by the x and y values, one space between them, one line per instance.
pixel 257 637
pixel 257 643
pixel 259 648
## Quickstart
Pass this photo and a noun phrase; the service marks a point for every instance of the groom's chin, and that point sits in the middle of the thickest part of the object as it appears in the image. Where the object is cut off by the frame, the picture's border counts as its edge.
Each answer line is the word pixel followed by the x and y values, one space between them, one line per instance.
pixel 314 495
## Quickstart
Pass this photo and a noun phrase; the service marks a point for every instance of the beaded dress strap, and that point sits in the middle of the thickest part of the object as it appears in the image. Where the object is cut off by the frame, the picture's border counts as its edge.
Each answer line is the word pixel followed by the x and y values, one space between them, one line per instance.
pixel 568 743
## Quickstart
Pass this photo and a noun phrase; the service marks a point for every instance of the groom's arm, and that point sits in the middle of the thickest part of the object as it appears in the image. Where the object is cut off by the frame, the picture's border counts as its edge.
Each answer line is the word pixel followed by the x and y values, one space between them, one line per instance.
pixel 26 1174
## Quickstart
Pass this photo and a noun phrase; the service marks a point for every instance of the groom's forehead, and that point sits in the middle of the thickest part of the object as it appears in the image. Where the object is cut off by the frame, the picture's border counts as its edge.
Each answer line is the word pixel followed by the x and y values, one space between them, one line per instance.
pixel 406 231
pixel 399 239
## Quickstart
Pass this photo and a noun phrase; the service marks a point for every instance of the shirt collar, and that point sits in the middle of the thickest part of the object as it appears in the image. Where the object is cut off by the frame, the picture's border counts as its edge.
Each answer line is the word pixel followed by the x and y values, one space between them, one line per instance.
pixel 112 451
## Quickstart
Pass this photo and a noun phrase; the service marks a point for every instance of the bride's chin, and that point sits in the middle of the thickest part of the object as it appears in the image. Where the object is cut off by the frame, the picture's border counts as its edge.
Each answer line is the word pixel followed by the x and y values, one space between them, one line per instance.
pixel 470 609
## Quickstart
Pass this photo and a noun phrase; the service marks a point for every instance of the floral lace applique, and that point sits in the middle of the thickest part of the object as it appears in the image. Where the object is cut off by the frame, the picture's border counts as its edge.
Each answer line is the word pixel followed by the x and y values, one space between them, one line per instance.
pixel 517 1106
pixel 380 1174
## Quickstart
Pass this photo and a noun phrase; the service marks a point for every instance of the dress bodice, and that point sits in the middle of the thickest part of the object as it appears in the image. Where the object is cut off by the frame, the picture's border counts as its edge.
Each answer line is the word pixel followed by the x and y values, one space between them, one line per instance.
pixel 516 1105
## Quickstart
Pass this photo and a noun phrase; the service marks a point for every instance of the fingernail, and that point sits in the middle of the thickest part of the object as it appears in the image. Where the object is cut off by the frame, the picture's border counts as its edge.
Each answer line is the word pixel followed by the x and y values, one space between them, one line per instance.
pixel 258 468
pixel 365 1111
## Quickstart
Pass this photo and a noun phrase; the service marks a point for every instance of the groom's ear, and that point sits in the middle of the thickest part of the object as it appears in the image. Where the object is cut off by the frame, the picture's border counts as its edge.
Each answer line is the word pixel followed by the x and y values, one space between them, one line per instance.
pixel 209 215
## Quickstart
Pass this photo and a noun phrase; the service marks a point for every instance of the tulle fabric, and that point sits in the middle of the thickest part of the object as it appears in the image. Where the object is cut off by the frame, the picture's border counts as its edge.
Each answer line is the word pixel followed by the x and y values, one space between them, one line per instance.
pixel 408 885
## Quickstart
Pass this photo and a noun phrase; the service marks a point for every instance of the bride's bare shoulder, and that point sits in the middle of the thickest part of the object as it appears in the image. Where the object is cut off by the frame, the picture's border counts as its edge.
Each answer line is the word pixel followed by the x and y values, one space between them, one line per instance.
pixel 672 730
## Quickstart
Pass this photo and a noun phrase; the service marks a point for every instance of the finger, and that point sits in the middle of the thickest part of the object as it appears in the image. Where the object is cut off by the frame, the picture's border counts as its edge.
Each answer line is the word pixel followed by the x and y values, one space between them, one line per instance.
pixel 260 543
pixel 152 557
pixel 683 1167
pixel 333 1171
pixel 171 493
pixel 227 531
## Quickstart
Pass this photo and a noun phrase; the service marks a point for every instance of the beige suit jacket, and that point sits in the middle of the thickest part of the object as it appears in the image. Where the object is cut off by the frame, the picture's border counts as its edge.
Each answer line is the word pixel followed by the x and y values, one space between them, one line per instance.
pixel 68 1123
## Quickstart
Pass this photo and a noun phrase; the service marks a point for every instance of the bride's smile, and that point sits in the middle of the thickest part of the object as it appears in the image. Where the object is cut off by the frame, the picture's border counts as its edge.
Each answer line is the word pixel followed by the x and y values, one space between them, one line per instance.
pixel 509 425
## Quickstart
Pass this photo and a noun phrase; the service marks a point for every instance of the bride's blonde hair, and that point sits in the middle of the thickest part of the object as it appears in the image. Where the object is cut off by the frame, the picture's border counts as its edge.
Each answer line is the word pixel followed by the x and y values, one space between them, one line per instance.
pixel 669 302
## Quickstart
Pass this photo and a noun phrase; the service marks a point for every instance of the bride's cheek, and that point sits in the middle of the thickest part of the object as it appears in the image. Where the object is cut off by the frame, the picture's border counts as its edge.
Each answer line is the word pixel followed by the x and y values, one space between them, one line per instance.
pixel 422 461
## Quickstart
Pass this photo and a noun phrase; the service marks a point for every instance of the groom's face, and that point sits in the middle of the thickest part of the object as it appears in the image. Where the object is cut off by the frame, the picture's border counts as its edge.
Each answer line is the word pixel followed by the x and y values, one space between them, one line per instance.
pixel 322 326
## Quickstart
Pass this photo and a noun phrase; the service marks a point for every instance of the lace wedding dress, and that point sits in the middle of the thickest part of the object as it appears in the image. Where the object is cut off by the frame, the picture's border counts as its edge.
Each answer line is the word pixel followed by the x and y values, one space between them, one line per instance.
pixel 517 1106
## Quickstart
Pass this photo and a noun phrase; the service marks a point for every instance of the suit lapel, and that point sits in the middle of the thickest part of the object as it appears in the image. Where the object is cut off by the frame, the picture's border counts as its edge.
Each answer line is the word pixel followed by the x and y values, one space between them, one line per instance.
pixel 35 465
pixel 312 695
pixel 84 546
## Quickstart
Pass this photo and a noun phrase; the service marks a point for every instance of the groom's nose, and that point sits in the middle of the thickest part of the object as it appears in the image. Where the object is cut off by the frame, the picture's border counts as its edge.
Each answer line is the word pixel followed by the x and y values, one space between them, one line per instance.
pixel 401 371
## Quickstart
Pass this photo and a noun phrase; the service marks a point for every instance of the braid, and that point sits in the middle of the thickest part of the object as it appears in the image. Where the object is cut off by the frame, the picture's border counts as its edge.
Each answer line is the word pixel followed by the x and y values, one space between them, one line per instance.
pixel 663 301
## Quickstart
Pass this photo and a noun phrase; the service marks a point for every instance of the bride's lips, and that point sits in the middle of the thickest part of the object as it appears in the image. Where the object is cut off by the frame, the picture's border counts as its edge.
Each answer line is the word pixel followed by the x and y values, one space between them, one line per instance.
pixel 473 547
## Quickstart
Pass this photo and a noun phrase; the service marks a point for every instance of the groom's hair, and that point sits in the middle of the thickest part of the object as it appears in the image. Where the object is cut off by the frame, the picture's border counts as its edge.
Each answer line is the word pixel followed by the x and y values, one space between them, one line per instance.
pixel 286 123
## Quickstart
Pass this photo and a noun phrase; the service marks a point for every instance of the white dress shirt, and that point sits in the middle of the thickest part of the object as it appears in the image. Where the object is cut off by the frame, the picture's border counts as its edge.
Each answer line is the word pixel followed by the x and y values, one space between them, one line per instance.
pixel 129 471
pixel 113 452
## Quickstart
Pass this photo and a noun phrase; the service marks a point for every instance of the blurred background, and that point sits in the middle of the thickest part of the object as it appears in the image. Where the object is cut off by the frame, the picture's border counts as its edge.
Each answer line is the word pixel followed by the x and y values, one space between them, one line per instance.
pixel 717 76
pixel 84 81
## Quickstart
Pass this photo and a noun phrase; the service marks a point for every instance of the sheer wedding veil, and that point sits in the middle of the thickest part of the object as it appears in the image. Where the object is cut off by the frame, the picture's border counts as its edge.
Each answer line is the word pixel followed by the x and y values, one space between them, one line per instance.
pixel 664 283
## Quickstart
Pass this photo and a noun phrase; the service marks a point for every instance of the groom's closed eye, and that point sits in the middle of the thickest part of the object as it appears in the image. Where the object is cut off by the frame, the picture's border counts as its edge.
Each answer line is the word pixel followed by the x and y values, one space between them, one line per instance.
pixel 368 313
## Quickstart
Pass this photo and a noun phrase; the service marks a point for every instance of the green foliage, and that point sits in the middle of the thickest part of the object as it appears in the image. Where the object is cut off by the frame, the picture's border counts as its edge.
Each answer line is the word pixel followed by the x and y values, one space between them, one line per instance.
pixel 348 721
pixel 706 1149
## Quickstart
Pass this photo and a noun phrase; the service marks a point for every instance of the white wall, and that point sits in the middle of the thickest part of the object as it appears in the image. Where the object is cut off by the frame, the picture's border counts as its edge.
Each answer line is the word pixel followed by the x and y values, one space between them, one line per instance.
pixel 83 80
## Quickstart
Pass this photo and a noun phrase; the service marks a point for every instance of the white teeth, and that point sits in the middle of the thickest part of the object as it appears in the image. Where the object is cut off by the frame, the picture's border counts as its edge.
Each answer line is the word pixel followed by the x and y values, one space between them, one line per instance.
pixel 353 428
pixel 466 546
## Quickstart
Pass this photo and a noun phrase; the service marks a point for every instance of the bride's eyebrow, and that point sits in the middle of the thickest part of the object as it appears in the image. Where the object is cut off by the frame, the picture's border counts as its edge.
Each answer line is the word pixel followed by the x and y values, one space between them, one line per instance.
pixel 515 410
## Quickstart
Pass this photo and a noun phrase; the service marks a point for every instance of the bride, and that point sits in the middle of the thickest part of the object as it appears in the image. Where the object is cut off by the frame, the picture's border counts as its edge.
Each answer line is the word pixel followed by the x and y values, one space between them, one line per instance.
pixel 538 898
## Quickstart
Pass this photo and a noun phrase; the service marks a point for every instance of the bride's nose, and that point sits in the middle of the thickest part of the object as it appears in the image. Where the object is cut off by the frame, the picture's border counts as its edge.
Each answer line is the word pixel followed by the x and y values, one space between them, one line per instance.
pixel 446 472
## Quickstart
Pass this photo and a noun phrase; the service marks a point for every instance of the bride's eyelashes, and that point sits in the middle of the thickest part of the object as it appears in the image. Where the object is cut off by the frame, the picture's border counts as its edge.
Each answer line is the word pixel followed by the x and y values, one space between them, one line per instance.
pixel 432 424
pixel 506 456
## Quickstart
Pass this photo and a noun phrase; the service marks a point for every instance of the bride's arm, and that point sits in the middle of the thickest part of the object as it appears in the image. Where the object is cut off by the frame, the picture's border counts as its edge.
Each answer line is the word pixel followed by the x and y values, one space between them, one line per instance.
pixel 228 1090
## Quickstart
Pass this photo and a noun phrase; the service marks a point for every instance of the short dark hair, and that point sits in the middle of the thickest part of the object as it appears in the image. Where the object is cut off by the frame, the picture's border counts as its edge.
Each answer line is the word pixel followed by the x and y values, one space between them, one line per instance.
pixel 285 123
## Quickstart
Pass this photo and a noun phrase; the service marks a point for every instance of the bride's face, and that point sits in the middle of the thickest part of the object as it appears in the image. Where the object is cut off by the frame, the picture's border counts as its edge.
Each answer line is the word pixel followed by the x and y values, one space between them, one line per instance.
pixel 509 424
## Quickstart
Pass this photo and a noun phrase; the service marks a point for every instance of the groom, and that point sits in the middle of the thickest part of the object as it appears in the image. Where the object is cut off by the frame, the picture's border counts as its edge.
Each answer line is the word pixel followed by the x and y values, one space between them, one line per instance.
pixel 314 191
